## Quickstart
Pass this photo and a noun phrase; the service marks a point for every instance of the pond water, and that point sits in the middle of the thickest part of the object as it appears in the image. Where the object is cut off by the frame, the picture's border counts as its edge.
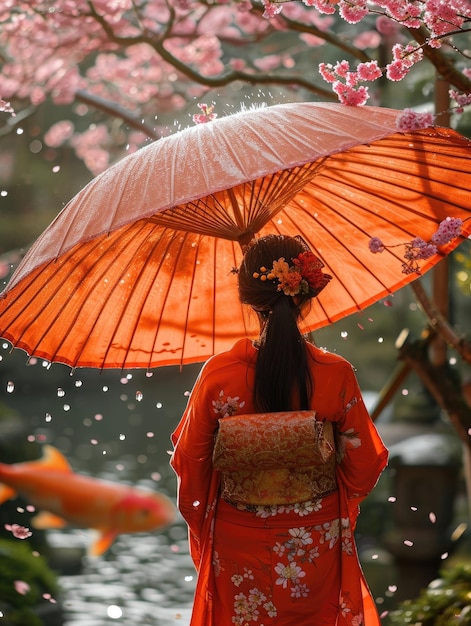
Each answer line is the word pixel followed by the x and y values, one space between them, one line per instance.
pixel 143 579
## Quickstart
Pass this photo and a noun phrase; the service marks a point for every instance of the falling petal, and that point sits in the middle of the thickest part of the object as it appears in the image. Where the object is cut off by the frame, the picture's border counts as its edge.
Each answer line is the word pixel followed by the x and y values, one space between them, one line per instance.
pixel 10 386
pixel 21 587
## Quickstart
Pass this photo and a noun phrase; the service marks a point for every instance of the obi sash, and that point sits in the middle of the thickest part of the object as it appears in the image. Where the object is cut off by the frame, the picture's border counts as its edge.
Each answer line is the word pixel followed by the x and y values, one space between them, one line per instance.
pixel 275 458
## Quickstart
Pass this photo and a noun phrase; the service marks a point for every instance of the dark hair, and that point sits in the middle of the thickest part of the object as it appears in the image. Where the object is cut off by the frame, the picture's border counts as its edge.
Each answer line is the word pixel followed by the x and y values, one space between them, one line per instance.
pixel 282 375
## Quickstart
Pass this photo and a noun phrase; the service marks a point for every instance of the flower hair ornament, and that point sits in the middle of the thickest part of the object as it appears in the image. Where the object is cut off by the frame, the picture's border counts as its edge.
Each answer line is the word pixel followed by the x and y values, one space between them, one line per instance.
pixel 304 277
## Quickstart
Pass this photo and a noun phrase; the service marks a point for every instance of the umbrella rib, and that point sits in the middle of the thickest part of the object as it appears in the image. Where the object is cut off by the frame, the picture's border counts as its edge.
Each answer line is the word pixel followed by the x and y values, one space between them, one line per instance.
pixel 122 315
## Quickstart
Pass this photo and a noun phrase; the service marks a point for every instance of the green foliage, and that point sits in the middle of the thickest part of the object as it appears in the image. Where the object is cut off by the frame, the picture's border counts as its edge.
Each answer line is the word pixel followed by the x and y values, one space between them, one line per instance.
pixel 445 602
pixel 20 564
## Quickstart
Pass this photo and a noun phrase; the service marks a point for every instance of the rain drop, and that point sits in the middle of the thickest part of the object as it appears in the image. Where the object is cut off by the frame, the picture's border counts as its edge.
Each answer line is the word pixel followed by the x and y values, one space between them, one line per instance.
pixel 149 434
pixel 105 388
pixel 98 417
pixel 10 386
pixel 380 339
pixel 48 417
pixel 122 437
pixel 139 395
pixel 78 383
pixel 392 588
pixel 149 374
pixel 344 334
pixel 60 393
pixel 159 405
pixel 66 407
pixel 114 611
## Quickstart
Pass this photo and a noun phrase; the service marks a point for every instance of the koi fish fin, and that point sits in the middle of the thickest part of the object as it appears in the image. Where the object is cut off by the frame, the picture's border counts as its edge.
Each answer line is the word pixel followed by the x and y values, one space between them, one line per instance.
pixel 54 459
pixel 101 545
pixel 45 520
pixel 6 493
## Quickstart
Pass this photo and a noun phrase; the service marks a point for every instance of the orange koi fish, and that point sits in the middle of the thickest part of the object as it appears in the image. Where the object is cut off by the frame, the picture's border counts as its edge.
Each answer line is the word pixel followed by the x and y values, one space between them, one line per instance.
pixel 64 497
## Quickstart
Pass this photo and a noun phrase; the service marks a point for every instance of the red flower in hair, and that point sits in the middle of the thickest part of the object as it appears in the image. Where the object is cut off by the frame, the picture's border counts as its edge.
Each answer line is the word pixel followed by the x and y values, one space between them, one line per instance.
pixel 310 267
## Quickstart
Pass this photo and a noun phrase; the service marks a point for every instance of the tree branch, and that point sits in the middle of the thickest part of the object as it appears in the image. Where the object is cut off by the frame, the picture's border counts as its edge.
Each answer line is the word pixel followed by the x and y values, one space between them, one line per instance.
pixel 157 43
pixel 439 323
pixel 115 110
pixel 443 64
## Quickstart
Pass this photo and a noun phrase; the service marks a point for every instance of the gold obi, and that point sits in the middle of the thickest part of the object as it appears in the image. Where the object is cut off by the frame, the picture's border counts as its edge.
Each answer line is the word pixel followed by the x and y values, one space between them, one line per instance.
pixel 275 458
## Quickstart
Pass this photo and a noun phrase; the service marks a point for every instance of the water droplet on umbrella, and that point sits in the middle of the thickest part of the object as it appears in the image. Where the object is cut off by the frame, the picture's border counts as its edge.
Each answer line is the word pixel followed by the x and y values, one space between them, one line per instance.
pixel 188 579
pixel 10 386
pixel 139 395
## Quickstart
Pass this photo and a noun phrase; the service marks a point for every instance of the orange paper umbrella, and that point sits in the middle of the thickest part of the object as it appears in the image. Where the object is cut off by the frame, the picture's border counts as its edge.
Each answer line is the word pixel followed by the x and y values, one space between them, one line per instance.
pixel 136 271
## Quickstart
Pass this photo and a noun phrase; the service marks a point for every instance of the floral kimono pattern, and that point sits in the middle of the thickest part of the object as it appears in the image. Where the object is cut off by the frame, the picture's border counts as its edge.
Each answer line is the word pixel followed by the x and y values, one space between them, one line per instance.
pixel 276 564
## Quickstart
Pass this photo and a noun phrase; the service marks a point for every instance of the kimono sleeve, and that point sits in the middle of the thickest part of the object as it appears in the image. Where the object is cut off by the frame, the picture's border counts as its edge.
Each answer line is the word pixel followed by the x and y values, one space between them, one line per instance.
pixel 361 454
pixel 191 460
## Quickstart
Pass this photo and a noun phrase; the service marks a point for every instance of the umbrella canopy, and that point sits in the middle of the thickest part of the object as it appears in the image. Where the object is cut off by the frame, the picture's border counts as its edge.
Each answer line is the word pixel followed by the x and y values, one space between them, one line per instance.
pixel 137 270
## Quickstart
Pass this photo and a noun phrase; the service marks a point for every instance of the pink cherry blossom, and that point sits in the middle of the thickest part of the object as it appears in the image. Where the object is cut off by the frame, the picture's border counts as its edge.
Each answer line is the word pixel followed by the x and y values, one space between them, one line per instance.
pixel 21 587
pixel 206 114
pixel 412 120
pixel 20 532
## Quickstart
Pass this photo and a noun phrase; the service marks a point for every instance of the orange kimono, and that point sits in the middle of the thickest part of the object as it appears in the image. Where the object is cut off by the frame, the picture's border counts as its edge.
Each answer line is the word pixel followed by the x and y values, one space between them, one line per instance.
pixel 283 565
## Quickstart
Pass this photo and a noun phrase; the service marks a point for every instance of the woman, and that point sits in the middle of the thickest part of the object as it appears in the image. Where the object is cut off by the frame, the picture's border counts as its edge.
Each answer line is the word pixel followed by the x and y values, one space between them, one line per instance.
pixel 263 559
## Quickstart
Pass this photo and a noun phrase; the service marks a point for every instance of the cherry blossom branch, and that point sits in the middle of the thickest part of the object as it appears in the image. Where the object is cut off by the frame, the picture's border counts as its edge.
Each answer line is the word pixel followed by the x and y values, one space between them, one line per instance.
pixel 443 64
pixel 327 36
pixel 157 43
pixel 116 110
